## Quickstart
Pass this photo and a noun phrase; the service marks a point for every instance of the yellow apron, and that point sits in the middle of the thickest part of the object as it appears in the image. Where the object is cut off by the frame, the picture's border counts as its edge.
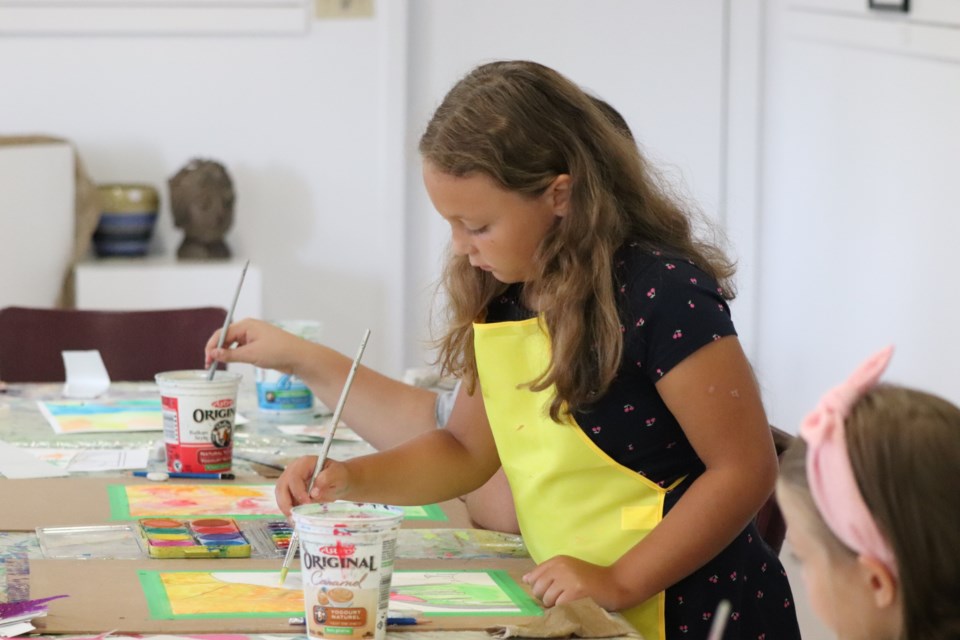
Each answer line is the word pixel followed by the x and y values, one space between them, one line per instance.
pixel 572 498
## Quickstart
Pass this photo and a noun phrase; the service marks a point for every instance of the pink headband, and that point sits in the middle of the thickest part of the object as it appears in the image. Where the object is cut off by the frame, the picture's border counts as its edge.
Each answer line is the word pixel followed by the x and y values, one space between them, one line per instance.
pixel 829 473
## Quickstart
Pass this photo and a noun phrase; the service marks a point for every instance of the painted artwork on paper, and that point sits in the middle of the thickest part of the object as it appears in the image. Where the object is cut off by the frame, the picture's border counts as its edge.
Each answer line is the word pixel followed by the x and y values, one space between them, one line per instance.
pixel 103 416
pixel 460 593
pixel 460 543
pixel 241 501
pixel 175 595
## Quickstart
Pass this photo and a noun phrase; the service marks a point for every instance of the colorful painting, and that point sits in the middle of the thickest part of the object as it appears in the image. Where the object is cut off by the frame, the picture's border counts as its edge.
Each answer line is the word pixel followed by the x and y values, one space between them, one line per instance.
pixel 460 593
pixel 241 501
pixel 173 595
pixel 103 416
pixel 460 543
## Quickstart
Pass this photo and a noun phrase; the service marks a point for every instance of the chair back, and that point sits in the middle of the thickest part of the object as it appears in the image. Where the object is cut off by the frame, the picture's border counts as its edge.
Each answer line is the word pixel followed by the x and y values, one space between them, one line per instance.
pixel 134 345
pixel 770 522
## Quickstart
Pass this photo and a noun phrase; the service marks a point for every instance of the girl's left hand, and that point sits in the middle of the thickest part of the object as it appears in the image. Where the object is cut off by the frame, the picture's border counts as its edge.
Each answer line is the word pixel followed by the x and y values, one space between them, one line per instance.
pixel 564 579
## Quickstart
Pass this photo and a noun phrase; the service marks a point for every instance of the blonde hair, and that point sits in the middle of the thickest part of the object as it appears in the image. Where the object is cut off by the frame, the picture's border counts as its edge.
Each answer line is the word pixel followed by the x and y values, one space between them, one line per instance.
pixel 904 448
pixel 523 124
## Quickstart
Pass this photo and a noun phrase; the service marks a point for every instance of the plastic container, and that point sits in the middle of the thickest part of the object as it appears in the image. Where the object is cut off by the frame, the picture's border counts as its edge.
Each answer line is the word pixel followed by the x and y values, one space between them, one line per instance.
pixel 282 394
pixel 198 419
pixel 346 558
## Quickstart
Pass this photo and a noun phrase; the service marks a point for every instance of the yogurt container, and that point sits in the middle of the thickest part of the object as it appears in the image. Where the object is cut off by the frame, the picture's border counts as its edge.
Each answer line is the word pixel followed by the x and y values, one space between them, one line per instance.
pixel 199 416
pixel 346 560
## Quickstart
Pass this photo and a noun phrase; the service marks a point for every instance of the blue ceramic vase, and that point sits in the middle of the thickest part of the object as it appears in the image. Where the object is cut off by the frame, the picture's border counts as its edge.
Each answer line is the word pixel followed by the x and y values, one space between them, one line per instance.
pixel 128 215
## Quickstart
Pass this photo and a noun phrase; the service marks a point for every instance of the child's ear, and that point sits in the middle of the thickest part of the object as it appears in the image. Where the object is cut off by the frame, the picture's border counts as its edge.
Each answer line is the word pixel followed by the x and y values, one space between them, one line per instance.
pixel 559 194
pixel 880 581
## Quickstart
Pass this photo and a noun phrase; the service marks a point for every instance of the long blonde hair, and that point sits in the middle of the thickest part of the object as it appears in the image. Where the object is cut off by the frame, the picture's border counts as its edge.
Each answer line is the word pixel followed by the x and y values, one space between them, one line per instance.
pixel 523 124
pixel 904 448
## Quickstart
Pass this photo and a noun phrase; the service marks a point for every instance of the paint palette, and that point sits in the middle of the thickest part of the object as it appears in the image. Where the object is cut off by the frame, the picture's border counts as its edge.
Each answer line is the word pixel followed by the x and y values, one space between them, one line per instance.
pixel 280 534
pixel 200 538
pixel 269 538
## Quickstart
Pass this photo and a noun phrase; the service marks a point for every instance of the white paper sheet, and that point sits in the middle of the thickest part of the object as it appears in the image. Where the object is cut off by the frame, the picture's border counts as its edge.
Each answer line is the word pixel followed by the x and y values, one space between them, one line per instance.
pixel 314 432
pixel 86 374
pixel 94 459
pixel 17 464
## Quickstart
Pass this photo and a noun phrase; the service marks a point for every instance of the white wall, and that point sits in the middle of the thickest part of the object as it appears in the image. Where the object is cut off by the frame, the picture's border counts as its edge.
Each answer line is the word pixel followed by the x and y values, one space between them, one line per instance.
pixel 316 133
pixel 659 64
pixel 859 215
pixel 306 125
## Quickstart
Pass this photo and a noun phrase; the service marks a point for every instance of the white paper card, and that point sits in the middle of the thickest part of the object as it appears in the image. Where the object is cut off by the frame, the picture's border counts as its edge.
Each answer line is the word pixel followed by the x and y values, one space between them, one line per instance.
pixel 86 374
pixel 15 629
pixel 17 464
pixel 87 460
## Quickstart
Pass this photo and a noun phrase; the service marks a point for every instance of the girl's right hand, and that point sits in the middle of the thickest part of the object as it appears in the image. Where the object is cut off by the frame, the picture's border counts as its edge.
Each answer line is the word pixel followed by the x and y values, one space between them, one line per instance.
pixel 258 343
pixel 331 484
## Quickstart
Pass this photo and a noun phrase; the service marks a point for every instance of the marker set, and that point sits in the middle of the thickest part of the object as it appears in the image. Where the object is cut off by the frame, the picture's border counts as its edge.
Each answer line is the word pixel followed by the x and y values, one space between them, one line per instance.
pixel 201 538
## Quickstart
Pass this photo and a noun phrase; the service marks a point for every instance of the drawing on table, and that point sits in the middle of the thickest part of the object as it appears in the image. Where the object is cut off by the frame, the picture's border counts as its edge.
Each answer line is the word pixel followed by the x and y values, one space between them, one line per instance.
pixel 242 501
pixel 86 416
pixel 460 543
pixel 460 593
pixel 220 594
pixel 239 594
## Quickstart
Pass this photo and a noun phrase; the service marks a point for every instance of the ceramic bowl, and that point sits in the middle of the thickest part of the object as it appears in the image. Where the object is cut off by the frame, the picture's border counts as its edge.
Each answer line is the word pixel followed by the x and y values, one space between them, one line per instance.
pixel 128 215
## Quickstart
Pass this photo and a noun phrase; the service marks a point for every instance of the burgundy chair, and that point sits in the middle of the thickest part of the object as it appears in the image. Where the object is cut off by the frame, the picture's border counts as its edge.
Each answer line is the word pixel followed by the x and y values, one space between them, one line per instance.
pixel 134 345
pixel 770 522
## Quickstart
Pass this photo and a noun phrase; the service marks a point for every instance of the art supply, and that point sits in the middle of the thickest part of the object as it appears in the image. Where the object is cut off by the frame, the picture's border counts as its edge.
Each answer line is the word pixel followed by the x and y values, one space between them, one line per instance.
pixel 391 621
pixel 280 534
pixel 284 394
pixel 201 538
pixel 346 561
pixel 160 476
pixel 100 542
pixel 322 458
pixel 720 617
pixel 198 420
pixel 16 617
pixel 228 320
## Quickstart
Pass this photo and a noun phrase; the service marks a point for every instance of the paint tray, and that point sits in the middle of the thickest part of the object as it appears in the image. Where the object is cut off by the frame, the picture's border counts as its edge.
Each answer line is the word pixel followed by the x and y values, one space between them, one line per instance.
pixel 107 542
pixel 270 538
pixel 212 537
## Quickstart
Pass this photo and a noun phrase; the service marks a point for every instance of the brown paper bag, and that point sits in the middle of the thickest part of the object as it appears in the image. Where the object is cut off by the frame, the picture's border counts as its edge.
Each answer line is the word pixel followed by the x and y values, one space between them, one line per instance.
pixel 582 618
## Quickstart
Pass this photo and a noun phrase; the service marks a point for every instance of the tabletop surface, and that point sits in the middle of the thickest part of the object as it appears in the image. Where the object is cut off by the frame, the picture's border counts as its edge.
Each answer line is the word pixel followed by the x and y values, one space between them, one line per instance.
pixel 259 439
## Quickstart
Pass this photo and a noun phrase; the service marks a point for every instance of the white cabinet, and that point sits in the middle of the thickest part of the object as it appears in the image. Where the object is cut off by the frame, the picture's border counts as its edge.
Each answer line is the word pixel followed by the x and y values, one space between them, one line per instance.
pixel 928 28
pixel 164 283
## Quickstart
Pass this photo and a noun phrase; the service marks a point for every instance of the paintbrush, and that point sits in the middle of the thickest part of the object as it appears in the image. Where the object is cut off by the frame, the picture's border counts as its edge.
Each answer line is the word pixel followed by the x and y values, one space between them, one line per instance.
pixel 720 617
pixel 322 458
pixel 228 320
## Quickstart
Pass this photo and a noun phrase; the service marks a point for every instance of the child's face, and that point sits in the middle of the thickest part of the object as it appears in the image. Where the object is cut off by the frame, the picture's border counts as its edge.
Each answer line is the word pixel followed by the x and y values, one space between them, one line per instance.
pixel 496 229
pixel 833 581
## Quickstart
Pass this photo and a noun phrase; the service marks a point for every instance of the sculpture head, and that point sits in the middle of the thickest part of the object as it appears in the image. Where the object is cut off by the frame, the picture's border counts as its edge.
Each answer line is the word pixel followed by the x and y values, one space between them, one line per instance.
pixel 201 200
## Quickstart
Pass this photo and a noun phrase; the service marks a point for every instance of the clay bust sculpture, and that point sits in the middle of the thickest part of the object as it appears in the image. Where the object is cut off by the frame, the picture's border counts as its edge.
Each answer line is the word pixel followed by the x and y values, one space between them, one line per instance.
pixel 201 198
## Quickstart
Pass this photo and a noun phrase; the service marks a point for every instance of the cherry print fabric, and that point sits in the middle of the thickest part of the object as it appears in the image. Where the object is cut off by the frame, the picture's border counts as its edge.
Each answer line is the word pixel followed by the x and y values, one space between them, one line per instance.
pixel 669 309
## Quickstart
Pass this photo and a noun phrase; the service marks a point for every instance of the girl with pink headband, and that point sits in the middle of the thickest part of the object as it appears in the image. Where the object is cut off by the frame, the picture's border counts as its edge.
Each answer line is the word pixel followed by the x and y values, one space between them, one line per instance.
pixel 870 495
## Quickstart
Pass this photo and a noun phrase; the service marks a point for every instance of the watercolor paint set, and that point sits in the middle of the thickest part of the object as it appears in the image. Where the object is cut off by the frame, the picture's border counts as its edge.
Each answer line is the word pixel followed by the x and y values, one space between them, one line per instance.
pixel 198 538
pixel 165 537
pixel 270 537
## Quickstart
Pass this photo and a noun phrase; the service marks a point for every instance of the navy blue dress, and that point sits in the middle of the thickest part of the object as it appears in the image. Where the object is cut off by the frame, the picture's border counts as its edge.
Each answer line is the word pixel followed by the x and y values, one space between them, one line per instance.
pixel 668 309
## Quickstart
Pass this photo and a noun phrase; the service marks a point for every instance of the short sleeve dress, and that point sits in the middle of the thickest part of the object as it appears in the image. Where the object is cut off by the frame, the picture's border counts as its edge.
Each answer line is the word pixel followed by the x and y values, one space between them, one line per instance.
pixel 669 309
